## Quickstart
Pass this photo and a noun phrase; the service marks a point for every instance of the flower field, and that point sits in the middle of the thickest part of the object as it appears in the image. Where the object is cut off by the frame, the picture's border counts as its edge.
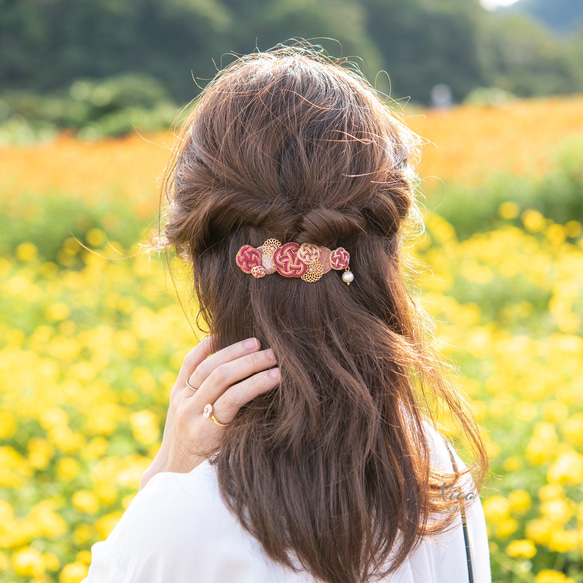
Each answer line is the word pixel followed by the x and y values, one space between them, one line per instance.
pixel 90 342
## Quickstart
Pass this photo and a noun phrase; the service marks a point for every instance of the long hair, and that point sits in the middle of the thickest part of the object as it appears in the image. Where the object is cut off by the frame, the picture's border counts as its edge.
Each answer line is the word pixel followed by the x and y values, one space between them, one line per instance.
pixel 330 471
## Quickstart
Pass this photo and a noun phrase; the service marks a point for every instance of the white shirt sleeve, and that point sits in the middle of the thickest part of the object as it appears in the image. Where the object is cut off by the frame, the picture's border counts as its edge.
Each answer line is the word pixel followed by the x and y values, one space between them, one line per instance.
pixel 178 530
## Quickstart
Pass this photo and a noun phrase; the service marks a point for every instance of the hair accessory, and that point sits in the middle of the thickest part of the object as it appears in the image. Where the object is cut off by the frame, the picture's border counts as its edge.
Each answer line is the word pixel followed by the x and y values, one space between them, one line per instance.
pixel 306 261
pixel 194 389
pixel 248 257
pixel 208 413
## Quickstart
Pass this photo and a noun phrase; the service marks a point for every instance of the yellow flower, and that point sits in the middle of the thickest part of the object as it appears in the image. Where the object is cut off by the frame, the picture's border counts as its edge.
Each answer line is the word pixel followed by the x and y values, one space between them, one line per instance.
pixel 6 511
pixel 542 446
pixel 95 237
pixel 506 526
pixel 46 521
pixel 508 210
pixel 7 424
pixel 16 470
pixel 49 269
pixel 84 557
pixel 106 523
pixel 28 561
pixel 525 411
pixel 53 417
pixel 521 549
pixel 563 541
pixel 40 452
pixel 66 440
pixel 52 562
pixel 555 412
pixel 144 426
pixel 556 234
pixel 57 312
pixel 513 464
pixel 552 576
pixel 82 534
pixel 26 251
pixel 520 501
pixel 496 507
pixel 4 562
pixel 539 530
pixel 550 491
pixel 106 491
pixel 567 469
pixel 573 228
pixel 533 220
pixel 95 449
pixel 73 572
pixel 127 344
pixel 559 510
pixel 86 501
pixel 67 469
pixel 572 429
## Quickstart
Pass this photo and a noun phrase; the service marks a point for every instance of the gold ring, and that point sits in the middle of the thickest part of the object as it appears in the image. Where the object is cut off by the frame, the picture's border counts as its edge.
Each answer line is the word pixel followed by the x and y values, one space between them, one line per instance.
pixel 217 422
pixel 208 413
pixel 194 389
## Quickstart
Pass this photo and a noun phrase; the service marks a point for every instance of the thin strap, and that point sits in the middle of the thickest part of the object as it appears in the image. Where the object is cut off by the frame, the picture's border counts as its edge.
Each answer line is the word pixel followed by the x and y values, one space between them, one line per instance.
pixel 464 522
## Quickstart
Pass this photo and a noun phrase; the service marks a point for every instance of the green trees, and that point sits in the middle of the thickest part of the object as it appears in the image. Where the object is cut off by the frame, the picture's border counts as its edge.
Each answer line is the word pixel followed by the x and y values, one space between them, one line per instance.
pixel 424 43
pixel 44 45
pixel 521 56
pixel 405 47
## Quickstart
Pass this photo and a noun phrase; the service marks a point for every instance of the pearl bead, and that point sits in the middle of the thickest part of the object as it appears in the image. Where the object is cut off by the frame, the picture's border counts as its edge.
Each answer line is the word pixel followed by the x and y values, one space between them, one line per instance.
pixel 347 276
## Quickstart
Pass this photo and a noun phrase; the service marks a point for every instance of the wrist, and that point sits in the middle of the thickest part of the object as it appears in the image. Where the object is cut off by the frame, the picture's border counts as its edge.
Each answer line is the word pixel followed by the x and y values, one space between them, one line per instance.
pixel 156 467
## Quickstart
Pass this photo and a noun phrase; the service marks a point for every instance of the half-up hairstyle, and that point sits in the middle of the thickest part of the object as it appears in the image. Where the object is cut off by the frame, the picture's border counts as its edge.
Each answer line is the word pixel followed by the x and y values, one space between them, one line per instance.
pixel 330 471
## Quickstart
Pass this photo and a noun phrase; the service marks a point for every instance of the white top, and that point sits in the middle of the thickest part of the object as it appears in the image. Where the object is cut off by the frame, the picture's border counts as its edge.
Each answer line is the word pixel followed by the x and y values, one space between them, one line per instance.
pixel 177 529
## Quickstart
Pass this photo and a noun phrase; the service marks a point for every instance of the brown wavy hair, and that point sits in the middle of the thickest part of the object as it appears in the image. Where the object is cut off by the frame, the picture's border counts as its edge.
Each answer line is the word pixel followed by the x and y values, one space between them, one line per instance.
pixel 331 469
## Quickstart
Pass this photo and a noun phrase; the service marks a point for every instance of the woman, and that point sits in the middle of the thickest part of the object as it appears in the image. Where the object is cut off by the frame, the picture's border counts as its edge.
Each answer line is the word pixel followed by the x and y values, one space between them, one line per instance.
pixel 299 444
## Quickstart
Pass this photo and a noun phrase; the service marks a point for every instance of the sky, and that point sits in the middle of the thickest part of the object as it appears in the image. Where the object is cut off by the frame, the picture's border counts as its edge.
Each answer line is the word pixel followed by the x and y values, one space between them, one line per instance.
pixel 491 4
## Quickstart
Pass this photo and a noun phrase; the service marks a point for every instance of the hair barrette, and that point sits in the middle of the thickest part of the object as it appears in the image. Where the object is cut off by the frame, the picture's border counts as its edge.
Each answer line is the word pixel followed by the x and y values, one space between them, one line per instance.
pixel 306 261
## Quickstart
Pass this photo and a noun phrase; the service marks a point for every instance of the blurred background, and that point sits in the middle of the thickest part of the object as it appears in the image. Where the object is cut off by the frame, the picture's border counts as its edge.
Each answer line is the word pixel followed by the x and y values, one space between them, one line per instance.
pixel 93 328
pixel 103 67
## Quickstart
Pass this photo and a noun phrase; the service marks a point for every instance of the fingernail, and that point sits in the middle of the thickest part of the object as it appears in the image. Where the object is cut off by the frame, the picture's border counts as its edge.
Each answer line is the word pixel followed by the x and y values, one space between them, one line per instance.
pixel 250 343
pixel 269 353
pixel 275 374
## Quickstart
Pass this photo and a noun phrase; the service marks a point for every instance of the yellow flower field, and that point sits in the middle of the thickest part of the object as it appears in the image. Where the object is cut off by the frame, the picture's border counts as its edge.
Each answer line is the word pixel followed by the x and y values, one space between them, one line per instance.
pixel 90 346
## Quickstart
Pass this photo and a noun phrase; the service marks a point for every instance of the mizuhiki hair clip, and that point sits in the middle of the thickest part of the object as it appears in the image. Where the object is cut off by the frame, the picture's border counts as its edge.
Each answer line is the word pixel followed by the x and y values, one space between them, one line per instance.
pixel 306 261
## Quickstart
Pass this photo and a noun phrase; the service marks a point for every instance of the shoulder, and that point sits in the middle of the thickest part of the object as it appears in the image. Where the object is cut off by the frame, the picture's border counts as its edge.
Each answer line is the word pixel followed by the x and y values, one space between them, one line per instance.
pixel 178 524
pixel 447 551
pixel 440 449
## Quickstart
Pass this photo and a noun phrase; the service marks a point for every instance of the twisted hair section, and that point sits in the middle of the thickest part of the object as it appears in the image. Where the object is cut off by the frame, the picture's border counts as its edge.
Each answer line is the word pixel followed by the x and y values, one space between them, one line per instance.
pixel 331 471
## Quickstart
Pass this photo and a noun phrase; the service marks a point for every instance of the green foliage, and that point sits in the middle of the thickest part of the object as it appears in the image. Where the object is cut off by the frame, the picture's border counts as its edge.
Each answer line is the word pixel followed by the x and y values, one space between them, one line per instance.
pixel 520 56
pixel 49 220
pixel 46 46
pixel 424 43
pixel 557 196
pixel 111 107
pixel 489 96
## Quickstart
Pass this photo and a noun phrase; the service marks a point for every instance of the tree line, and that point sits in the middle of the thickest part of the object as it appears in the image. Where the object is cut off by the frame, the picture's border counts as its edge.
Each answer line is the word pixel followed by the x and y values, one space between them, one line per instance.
pixel 405 47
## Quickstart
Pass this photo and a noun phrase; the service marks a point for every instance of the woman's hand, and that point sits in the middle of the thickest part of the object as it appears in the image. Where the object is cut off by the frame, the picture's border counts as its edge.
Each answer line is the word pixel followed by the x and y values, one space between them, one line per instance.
pixel 189 437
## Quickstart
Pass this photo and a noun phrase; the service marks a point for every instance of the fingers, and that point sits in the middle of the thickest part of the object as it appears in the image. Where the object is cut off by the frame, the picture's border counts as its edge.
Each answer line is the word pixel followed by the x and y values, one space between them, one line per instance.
pixel 227 379
pixel 228 404
pixel 231 372
pixel 207 366
pixel 194 358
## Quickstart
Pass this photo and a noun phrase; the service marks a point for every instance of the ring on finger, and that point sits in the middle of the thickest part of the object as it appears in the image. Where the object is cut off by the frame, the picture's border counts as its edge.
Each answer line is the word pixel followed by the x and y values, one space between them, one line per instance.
pixel 193 389
pixel 208 413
